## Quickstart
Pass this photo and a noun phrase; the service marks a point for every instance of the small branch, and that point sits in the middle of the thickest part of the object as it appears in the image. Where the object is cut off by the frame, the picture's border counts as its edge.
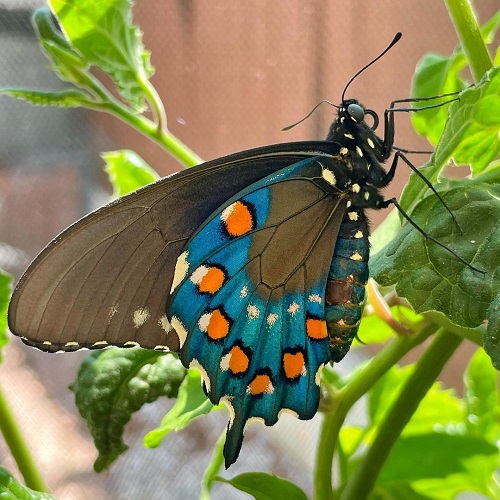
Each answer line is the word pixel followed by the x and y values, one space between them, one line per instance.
pixel 18 447
pixel 157 104
pixel 467 28
pixel 426 372
pixel 150 129
pixel 342 401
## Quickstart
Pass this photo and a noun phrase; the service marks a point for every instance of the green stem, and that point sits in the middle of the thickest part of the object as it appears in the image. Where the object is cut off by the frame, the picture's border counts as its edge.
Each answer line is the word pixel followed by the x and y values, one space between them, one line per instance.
pixel 467 28
pixel 18 447
pixel 426 371
pixel 157 104
pixel 155 131
pixel 329 433
pixel 215 465
pixel 150 129
pixel 342 401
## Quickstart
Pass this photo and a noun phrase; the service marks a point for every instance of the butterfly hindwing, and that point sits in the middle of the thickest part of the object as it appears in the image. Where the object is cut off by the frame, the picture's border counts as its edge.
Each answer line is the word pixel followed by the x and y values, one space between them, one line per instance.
pixel 248 297
pixel 105 280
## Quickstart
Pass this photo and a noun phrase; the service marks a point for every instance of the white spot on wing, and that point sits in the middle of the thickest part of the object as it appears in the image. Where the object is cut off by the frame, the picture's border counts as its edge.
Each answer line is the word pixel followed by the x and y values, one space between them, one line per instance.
pixel 131 343
pixel 358 234
pixel 204 375
pixel 160 347
pixel 370 143
pixel 318 374
pixel 353 215
pixel 140 317
pixel 243 292
pixel 180 329
pixel 204 321
pixel 226 400
pixel 99 343
pixel 271 319
pixel 344 151
pixel 293 308
pixel 164 323
pixel 314 298
pixel 224 362
pixel 254 419
pixel 112 311
pixel 181 270
pixel 359 151
pixel 71 344
pixel 355 188
pixel 227 212
pixel 288 412
pixel 252 311
pixel 198 274
pixel 329 176
pixel 349 136
pixel 366 195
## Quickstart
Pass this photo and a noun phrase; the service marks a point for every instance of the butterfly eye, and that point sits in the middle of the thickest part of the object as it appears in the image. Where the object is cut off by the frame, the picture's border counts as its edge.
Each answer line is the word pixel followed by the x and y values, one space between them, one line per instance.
pixel 356 111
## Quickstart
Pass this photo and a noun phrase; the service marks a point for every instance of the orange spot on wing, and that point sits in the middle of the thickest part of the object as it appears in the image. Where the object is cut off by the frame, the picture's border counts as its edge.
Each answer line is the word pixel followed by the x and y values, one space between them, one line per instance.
pixel 260 384
pixel 239 361
pixel 218 325
pixel 212 281
pixel 316 328
pixel 293 364
pixel 238 219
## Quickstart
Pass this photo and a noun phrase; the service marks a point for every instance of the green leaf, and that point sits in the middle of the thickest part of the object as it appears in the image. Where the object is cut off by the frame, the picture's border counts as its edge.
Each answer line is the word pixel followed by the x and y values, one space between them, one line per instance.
pixel 350 438
pixel 191 403
pixel 66 61
pixel 435 75
pixel 10 489
pixel 102 31
pixel 435 455
pixel 440 408
pixel 481 146
pixel 127 171
pixel 264 486
pixel 482 398
pixel 61 99
pixel 374 330
pixel 396 491
pixel 492 337
pixel 472 131
pixel 453 487
pixel 114 383
pixel 428 275
pixel 5 281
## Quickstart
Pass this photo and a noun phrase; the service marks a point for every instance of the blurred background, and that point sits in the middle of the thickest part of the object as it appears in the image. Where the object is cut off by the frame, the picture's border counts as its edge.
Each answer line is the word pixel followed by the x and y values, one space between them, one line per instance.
pixel 232 74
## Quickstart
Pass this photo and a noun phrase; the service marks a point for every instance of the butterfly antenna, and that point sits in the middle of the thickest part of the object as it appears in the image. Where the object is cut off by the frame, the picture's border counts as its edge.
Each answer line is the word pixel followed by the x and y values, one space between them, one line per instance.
pixel 394 41
pixel 288 127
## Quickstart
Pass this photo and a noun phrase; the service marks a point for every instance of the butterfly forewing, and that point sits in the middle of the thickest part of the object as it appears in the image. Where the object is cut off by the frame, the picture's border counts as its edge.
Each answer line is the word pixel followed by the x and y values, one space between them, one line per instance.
pixel 106 279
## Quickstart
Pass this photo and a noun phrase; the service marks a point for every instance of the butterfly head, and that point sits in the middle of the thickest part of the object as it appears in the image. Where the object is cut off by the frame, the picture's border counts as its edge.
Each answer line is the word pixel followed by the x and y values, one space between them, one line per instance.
pixel 352 114
pixel 351 129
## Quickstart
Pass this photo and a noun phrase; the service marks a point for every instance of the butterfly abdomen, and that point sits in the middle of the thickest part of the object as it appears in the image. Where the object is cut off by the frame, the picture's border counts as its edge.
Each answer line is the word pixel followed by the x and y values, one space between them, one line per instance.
pixel 345 288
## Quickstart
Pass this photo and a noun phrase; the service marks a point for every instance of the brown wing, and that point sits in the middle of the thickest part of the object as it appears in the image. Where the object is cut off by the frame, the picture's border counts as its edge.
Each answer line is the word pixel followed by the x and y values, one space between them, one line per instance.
pixel 105 280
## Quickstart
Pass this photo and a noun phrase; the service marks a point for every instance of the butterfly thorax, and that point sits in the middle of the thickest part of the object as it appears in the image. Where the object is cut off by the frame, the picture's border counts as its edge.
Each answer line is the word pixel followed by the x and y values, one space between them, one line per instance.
pixel 362 151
